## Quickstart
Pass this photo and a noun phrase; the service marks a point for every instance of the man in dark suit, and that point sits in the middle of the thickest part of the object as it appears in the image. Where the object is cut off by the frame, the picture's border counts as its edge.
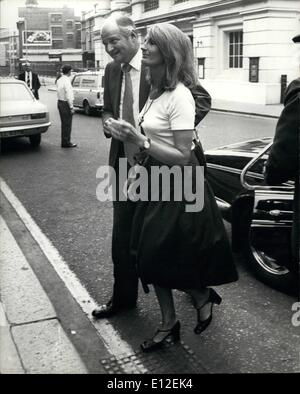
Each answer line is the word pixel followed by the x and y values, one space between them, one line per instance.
pixel 283 162
pixel 121 43
pixel 31 79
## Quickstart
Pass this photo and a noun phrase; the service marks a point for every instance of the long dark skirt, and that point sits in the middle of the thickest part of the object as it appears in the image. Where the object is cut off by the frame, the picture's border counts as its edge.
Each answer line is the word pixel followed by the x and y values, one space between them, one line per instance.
pixel 177 249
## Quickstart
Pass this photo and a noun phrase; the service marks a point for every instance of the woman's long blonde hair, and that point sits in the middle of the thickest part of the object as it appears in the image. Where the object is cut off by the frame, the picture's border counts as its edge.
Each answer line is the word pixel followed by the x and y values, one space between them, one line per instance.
pixel 177 52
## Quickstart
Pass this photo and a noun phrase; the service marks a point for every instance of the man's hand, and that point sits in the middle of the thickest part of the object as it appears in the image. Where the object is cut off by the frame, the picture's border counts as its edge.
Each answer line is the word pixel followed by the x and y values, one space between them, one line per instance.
pixel 72 110
pixel 106 128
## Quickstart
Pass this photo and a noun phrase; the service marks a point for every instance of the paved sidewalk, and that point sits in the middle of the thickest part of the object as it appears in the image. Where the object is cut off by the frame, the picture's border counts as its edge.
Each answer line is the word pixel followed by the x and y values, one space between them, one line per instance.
pixel 267 111
pixel 32 340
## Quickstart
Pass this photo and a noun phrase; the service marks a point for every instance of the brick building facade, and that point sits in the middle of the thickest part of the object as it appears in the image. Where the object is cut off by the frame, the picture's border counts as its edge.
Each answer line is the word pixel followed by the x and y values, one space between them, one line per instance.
pixel 62 30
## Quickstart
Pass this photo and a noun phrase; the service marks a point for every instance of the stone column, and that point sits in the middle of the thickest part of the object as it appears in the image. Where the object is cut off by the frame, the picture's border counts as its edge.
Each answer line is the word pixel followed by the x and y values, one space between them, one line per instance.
pixel 103 11
pixel 204 43
pixel 137 9
pixel 117 5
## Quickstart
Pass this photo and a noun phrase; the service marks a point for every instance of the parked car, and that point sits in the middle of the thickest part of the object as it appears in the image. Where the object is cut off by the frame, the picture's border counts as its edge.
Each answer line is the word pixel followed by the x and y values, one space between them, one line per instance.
pixel 88 90
pixel 260 215
pixel 21 115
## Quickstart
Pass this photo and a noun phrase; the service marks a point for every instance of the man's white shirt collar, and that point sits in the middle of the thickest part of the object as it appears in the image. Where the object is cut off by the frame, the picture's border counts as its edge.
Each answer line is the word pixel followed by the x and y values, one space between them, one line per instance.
pixel 136 61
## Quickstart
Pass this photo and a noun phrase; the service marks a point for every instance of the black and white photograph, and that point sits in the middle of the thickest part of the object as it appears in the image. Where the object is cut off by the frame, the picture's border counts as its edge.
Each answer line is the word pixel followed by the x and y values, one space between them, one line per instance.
pixel 149 190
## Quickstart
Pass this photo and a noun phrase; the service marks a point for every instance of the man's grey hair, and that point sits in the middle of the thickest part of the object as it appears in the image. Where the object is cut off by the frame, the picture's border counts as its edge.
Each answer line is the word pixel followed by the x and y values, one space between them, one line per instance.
pixel 125 24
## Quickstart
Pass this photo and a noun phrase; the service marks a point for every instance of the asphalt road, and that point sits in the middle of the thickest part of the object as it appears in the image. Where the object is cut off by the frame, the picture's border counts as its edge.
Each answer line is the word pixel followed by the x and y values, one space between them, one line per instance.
pixel 251 330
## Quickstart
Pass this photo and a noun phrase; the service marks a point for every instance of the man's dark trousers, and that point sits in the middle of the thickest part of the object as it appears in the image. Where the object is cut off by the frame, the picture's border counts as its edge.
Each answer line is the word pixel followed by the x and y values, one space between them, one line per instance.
pixel 125 290
pixel 66 121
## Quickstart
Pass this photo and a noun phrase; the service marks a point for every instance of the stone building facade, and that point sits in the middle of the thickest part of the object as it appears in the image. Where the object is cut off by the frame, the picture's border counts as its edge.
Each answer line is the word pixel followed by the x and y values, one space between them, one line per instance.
pixel 243 49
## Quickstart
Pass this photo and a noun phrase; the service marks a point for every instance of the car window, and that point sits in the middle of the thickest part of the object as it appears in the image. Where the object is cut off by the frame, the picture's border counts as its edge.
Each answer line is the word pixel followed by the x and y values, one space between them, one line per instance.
pixel 14 92
pixel 89 81
pixel 255 172
pixel 76 81
pixel 258 166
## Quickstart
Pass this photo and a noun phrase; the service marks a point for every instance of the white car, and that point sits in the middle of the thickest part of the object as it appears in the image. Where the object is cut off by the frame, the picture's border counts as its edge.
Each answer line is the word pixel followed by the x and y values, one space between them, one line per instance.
pixel 88 90
pixel 21 115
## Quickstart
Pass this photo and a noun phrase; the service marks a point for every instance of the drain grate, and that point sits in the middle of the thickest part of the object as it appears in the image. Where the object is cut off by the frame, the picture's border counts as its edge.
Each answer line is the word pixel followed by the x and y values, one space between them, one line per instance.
pixel 172 359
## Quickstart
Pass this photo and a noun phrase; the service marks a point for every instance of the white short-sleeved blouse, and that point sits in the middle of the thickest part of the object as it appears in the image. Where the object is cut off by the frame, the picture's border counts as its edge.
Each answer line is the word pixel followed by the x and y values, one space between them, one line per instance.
pixel 173 110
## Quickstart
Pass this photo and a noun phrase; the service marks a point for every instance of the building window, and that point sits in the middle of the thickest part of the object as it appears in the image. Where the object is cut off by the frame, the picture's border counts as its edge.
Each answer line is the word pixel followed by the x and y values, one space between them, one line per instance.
pixel 179 1
pixel 70 37
pixel 69 25
pixel 57 44
pixel 56 31
pixel 56 18
pixel 151 5
pixel 236 49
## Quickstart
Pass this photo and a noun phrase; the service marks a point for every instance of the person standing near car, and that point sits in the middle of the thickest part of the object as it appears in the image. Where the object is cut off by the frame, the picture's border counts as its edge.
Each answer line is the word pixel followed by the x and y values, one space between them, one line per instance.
pixel 283 161
pixel 126 90
pixel 31 79
pixel 65 101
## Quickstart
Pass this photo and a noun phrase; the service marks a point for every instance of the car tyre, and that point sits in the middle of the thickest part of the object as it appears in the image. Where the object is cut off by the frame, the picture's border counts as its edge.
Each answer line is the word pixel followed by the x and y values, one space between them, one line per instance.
pixel 35 140
pixel 87 109
pixel 266 269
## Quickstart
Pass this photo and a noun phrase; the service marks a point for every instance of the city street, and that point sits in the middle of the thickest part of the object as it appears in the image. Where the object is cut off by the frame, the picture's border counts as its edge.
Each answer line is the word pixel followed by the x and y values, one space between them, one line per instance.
pixel 251 330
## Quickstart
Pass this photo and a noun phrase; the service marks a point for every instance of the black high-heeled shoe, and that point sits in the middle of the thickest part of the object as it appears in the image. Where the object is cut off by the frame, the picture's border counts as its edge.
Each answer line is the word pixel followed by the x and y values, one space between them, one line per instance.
pixel 151 345
pixel 213 298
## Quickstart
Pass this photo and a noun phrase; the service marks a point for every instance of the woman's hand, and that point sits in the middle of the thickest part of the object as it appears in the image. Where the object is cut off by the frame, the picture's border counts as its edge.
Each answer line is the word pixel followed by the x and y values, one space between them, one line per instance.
pixel 123 131
pixel 129 188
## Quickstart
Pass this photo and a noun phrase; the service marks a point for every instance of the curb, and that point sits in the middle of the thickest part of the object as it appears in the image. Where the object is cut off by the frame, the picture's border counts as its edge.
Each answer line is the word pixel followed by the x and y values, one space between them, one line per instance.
pixel 245 113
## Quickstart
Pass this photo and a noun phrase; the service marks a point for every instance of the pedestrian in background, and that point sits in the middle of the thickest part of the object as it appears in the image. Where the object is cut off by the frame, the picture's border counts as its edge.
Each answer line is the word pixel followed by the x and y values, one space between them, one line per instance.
pixel 125 93
pixel 65 98
pixel 31 79
pixel 58 75
pixel 283 162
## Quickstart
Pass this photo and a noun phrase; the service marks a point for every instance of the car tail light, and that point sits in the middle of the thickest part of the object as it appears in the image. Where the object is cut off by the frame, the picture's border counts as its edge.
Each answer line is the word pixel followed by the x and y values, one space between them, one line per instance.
pixel 98 95
pixel 38 116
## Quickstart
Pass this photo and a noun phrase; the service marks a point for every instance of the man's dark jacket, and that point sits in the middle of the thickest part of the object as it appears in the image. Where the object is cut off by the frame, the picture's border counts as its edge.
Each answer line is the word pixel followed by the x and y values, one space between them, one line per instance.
pixel 283 162
pixel 35 83
pixel 112 95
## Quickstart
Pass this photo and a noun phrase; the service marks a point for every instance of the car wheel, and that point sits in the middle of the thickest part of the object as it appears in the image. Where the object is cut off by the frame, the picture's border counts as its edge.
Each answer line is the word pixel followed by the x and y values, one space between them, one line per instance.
pixel 87 109
pixel 267 269
pixel 35 140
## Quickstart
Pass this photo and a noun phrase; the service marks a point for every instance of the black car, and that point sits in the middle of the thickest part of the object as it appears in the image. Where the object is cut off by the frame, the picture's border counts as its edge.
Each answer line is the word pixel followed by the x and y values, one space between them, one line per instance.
pixel 261 215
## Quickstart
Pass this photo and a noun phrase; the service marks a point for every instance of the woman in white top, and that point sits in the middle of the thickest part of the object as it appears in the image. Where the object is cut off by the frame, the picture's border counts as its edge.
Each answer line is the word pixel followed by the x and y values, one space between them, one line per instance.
pixel 173 247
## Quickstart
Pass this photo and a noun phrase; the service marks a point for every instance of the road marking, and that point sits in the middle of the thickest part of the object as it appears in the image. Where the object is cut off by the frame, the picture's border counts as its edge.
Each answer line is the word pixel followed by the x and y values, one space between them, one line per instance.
pixel 110 337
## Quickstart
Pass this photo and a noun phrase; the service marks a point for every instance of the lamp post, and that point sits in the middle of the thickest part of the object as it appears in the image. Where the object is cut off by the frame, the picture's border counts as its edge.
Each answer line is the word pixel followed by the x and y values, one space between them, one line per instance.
pixel 25 36
pixel 22 27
